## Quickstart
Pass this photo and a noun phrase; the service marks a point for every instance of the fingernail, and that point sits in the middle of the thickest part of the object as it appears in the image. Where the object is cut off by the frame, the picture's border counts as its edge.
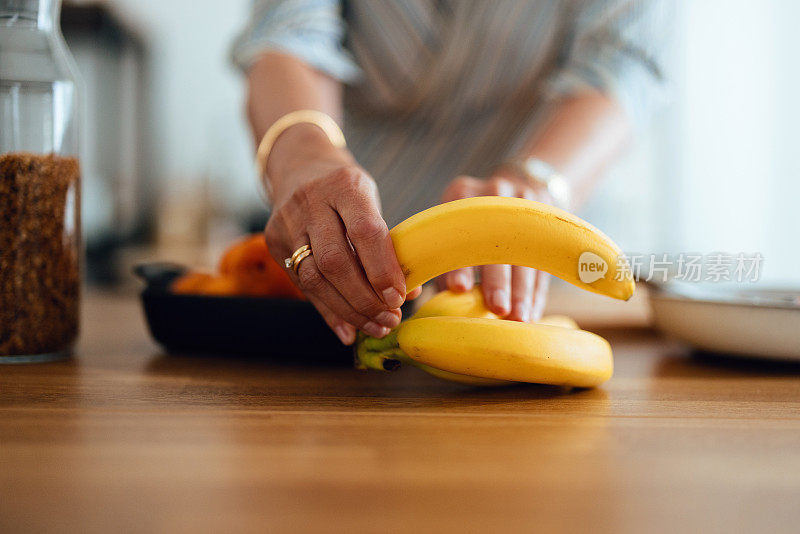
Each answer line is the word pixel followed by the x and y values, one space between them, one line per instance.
pixel 346 334
pixel 392 297
pixel 387 319
pixel 500 300
pixel 375 330
pixel 525 314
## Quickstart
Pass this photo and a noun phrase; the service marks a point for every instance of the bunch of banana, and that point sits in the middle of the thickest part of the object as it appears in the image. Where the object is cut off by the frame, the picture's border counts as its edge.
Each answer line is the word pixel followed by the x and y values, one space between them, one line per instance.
pixel 455 337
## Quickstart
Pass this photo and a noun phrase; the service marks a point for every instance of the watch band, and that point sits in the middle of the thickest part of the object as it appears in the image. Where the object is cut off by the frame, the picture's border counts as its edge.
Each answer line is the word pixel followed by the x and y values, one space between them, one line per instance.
pixel 541 174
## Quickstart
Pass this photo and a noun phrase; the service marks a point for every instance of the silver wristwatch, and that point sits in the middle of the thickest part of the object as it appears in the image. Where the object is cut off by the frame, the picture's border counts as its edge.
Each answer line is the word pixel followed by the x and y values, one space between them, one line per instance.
pixel 541 174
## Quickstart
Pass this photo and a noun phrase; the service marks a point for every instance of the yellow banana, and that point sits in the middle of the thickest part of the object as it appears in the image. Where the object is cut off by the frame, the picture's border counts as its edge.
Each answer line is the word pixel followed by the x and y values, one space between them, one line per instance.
pixel 452 304
pixel 552 320
pixel 500 230
pixel 507 350
pixel 559 320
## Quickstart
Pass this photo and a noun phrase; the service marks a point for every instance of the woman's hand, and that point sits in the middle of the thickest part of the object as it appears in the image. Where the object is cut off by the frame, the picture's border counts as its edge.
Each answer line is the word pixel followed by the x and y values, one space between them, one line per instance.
pixel 352 277
pixel 517 293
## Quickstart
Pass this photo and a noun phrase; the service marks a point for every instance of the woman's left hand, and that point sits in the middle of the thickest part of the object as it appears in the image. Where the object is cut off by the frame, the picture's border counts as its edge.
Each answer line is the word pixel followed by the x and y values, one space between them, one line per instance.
pixel 517 293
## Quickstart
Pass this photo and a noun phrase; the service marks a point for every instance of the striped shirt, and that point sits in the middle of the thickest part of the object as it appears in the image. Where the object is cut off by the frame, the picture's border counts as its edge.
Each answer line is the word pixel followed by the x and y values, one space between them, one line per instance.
pixel 439 88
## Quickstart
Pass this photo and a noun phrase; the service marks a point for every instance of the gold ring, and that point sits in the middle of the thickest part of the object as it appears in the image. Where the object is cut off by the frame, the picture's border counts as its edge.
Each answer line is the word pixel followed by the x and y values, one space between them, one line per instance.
pixel 303 255
pixel 289 262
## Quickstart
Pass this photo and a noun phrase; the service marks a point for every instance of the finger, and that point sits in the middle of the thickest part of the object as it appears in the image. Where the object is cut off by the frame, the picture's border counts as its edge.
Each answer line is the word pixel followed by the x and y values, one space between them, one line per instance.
pixel 540 295
pixel 343 330
pixel 314 284
pixel 501 187
pixel 541 278
pixel 460 280
pixel 440 282
pixel 338 264
pixel 496 283
pixel 367 231
pixel 496 279
pixel 523 280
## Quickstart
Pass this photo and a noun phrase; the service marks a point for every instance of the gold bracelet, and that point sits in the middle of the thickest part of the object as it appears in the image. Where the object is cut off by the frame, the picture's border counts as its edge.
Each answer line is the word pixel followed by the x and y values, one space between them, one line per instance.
pixel 322 120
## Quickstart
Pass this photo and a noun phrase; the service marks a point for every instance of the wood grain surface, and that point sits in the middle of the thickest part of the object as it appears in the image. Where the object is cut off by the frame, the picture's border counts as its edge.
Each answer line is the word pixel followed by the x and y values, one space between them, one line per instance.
pixel 124 438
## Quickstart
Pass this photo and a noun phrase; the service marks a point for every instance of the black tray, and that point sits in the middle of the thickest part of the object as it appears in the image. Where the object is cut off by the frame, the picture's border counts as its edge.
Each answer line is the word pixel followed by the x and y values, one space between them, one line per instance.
pixel 276 329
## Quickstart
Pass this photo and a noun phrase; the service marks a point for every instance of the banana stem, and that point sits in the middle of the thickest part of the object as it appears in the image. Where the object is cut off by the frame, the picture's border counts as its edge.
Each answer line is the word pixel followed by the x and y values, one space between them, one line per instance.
pixel 380 354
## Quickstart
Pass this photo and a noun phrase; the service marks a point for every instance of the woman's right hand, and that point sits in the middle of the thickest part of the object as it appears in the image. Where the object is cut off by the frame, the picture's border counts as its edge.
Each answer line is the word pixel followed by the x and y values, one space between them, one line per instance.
pixel 323 199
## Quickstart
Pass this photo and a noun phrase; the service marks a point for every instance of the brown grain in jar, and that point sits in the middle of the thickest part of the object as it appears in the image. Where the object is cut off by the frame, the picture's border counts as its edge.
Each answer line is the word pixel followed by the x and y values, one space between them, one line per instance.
pixel 39 253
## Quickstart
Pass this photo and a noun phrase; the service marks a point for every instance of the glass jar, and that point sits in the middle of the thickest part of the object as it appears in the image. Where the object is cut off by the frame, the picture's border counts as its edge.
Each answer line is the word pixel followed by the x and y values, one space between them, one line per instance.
pixel 40 246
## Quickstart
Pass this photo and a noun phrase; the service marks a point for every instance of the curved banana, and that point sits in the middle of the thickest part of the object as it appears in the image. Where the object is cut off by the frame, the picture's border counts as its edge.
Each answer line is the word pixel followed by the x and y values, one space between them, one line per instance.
pixel 461 379
pixel 501 230
pixel 559 320
pixel 471 304
pixel 507 350
pixel 451 304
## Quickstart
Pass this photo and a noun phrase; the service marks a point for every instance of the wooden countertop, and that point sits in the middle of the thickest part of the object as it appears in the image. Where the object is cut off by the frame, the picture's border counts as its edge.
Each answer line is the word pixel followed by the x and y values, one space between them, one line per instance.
pixel 126 438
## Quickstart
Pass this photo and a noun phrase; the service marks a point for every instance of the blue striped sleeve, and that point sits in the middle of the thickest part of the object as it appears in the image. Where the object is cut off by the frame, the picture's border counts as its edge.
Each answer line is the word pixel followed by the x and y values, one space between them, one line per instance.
pixel 312 30
pixel 614 48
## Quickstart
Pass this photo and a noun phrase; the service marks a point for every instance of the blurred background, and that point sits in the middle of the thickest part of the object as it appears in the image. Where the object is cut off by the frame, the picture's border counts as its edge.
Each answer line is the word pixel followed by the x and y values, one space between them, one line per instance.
pixel 169 173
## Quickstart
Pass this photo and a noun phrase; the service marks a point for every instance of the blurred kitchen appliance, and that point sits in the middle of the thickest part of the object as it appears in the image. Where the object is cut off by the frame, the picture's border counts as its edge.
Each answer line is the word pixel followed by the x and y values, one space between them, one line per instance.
pixel 118 200
pixel 751 322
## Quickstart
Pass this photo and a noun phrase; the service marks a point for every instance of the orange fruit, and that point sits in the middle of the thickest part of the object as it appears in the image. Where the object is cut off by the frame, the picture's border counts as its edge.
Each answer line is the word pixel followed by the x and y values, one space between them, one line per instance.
pixel 249 262
pixel 221 286
pixel 205 284
pixel 190 283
